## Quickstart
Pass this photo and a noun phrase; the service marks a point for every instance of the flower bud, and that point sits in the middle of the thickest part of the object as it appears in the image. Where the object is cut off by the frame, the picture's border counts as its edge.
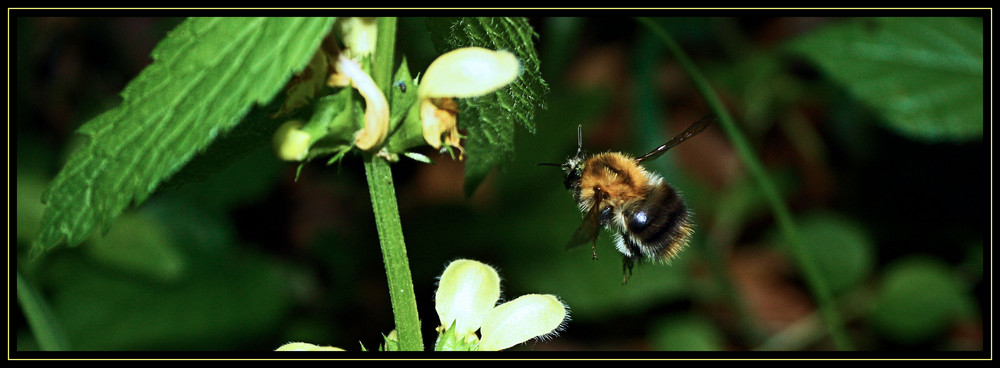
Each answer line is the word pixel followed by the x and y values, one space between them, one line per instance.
pixel 291 143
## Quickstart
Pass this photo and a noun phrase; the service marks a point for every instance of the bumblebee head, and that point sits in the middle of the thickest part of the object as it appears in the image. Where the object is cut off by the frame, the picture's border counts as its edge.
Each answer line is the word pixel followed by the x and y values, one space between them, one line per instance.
pixel 573 168
pixel 572 171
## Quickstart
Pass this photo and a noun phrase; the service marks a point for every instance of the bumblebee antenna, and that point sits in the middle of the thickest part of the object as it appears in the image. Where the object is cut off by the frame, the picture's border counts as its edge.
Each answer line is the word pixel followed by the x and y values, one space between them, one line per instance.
pixel 579 147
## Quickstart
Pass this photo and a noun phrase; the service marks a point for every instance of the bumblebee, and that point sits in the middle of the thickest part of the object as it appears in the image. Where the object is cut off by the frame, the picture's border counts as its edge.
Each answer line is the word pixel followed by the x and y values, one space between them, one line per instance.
pixel 647 216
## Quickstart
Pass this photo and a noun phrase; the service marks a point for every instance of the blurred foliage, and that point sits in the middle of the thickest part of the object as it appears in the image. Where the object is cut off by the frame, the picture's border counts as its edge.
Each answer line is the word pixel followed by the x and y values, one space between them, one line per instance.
pixel 924 75
pixel 917 300
pixel 248 259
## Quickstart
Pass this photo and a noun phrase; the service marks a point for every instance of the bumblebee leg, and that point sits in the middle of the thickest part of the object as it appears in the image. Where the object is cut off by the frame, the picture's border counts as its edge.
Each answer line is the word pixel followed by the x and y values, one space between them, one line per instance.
pixel 627 264
pixel 593 249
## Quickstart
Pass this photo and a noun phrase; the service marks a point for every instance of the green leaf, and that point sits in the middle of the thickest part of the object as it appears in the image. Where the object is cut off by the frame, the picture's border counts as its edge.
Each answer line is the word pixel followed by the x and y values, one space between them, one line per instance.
pixel 335 120
pixel 206 74
pixel 489 120
pixel 923 75
pixel 43 323
pixel 223 301
pixel 448 340
pixel 29 188
pixel 844 252
pixel 403 94
pixel 391 344
pixel 919 297
pixel 405 128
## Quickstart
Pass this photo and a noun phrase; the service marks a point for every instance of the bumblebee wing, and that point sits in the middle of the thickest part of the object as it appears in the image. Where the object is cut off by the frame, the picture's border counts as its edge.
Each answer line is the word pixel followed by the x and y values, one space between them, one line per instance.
pixel 588 230
pixel 691 131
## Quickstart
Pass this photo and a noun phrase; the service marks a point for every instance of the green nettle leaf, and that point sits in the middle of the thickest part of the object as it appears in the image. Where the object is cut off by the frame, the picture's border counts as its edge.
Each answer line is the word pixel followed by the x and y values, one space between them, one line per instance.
pixel 924 75
pixel 205 76
pixel 253 132
pixel 489 120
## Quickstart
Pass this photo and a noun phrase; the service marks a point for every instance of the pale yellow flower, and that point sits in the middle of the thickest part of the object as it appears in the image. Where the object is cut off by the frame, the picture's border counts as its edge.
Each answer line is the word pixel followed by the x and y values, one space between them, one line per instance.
pixel 290 142
pixel 460 73
pixel 304 346
pixel 376 107
pixel 466 299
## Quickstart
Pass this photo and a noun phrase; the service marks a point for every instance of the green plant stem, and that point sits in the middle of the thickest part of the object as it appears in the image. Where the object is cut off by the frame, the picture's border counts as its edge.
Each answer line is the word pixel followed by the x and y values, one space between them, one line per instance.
pixel 43 325
pixel 783 215
pixel 649 117
pixel 384 53
pixel 383 194
pixel 397 266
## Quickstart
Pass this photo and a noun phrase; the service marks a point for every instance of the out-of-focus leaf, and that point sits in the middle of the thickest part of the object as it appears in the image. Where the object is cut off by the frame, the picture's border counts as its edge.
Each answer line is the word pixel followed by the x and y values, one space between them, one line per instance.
pixel 743 199
pixel 220 304
pixel 843 250
pixel 254 132
pixel 924 75
pixel 245 180
pixel 918 298
pixel 687 333
pixel 760 81
pixel 141 246
pixel 44 325
pixel 29 205
pixel 489 120
pixel 207 73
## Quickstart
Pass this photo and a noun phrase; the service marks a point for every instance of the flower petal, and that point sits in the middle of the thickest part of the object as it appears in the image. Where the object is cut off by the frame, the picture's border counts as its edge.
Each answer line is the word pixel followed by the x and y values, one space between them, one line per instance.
pixel 467 292
pixel 521 319
pixel 359 34
pixel 439 117
pixel 468 72
pixel 376 107
pixel 304 346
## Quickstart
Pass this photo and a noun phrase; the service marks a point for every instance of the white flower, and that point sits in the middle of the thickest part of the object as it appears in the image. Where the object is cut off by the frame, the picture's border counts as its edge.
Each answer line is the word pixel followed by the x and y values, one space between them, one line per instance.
pixel 520 320
pixel 468 72
pixel 465 299
pixel 376 107
pixel 304 346
pixel 359 34
pixel 468 290
pixel 460 73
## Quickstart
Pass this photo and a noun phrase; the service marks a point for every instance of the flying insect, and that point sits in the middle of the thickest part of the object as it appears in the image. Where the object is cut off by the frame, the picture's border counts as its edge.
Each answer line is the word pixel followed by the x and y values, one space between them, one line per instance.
pixel 647 216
